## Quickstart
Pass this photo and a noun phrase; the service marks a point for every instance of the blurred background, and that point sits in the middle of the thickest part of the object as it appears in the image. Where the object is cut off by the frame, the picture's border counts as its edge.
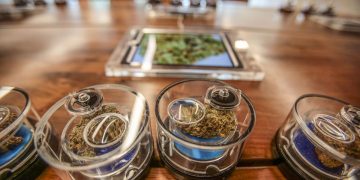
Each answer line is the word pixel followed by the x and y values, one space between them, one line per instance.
pixel 21 9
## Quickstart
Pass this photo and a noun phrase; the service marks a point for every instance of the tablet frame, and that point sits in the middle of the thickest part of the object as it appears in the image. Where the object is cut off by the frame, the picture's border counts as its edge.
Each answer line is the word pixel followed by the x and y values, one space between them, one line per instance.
pixel 245 68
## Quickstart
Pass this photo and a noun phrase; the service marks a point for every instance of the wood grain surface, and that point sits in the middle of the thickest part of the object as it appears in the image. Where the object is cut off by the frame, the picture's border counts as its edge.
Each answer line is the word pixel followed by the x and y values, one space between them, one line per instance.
pixel 62 49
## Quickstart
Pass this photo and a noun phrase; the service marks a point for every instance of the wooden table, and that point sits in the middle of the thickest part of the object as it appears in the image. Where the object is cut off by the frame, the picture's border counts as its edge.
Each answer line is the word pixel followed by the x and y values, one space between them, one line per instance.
pixel 61 49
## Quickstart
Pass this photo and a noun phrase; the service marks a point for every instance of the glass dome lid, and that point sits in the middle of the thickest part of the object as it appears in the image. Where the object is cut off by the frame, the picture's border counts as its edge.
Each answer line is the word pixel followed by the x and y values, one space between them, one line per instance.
pixel 194 110
pixel 92 128
pixel 14 105
pixel 336 133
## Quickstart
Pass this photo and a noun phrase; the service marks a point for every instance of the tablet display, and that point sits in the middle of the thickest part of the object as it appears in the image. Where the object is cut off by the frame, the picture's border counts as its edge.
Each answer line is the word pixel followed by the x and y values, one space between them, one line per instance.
pixel 183 49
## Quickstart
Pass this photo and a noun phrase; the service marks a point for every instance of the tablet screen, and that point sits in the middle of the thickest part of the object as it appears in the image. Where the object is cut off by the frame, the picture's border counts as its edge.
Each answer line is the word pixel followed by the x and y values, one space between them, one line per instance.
pixel 183 49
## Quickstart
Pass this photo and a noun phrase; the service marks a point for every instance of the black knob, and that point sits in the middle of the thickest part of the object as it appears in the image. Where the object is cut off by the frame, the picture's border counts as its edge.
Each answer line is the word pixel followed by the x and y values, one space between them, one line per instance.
pixel 84 101
pixel 223 97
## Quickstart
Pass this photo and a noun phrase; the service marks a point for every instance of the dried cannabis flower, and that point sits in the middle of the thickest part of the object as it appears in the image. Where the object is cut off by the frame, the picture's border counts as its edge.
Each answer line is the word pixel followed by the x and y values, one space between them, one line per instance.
pixel 76 141
pixel 115 129
pixel 216 123
pixel 190 114
pixel 326 160
pixel 13 141
pixel 351 149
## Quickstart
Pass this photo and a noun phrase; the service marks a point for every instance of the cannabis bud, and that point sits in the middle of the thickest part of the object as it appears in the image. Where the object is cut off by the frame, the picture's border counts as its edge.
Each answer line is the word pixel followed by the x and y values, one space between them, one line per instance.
pixel 338 135
pixel 114 129
pixel 215 117
pixel 7 117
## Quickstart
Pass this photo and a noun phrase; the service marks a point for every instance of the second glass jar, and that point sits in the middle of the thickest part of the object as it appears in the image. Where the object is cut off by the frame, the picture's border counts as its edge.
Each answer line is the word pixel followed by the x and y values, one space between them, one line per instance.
pixel 202 126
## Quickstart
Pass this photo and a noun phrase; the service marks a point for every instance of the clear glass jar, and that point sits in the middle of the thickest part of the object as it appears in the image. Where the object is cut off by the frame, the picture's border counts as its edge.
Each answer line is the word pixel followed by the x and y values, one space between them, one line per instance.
pixel 202 126
pixel 18 157
pixel 102 131
pixel 321 138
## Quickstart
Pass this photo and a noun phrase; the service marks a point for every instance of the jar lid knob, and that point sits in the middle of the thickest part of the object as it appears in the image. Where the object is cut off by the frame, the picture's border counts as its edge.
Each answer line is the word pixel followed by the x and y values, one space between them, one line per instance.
pixel 84 101
pixel 351 115
pixel 223 97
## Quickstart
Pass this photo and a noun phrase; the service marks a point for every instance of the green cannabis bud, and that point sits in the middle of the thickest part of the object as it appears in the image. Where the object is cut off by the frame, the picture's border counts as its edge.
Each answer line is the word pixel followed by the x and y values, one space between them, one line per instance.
pixel 76 142
pixel 216 123
pixel 13 141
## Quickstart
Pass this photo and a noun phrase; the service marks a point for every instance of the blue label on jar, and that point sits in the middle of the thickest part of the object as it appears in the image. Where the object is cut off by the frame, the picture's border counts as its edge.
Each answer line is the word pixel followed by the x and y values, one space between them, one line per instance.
pixel 118 163
pixel 26 134
pixel 199 154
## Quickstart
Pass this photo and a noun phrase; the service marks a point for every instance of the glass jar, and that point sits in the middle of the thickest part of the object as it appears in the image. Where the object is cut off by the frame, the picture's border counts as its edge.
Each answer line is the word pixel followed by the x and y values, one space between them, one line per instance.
pixel 321 138
pixel 202 126
pixel 18 157
pixel 102 131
